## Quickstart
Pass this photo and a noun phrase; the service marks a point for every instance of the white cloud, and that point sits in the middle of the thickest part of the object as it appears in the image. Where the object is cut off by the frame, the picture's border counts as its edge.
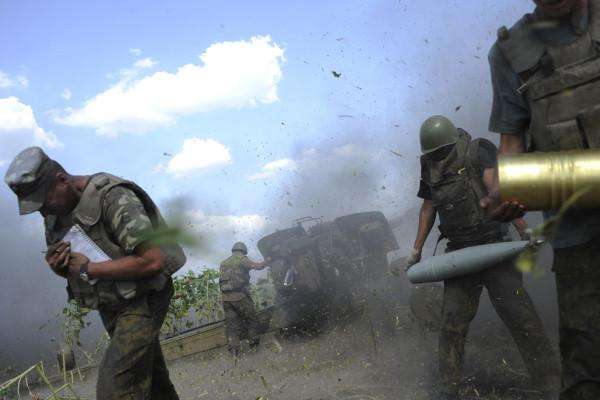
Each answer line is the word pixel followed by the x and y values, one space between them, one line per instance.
pixel 311 158
pixel 159 168
pixel 271 169
pixel 18 117
pixel 230 75
pixel 2 163
pixel 135 52
pixel 66 94
pixel 197 154
pixel 145 63
pixel 6 82
pixel 218 232
pixel 23 81
pixel 345 150
pixel 219 224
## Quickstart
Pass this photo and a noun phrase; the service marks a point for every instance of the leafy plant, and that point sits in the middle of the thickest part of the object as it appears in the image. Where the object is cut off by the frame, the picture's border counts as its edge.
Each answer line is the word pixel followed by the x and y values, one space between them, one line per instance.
pixel 74 322
pixel 196 296
pixel 21 382
pixel 197 299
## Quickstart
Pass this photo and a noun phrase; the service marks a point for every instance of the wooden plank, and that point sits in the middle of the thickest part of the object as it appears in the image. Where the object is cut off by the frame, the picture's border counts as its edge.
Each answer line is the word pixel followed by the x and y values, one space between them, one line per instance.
pixel 193 342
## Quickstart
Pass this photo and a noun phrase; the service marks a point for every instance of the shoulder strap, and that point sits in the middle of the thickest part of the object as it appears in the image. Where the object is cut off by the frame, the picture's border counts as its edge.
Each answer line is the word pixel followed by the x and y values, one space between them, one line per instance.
pixel 474 168
pixel 89 208
pixel 520 45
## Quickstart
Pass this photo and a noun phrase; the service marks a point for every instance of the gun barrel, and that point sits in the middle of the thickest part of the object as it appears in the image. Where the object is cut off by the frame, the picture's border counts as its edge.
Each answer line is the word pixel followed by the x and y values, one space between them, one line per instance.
pixel 544 181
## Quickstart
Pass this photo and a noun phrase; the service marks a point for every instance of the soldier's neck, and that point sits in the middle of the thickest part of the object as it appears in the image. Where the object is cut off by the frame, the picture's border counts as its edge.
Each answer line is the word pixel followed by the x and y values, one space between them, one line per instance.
pixel 79 183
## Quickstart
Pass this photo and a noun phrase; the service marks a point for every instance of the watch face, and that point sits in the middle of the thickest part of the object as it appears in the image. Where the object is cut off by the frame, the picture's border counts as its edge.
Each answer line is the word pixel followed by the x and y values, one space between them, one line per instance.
pixel 84 276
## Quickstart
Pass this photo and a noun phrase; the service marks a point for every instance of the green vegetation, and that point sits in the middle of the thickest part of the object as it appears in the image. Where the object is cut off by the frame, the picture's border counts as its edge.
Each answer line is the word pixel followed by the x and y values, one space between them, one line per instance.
pixel 26 380
pixel 198 298
pixel 196 295
pixel 74 322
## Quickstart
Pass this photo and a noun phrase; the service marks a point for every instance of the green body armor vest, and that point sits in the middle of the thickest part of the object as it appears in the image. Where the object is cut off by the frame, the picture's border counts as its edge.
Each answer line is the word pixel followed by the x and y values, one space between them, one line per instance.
pixel 88 215
pixel 235 276
pixel 456 188
pixel 561 83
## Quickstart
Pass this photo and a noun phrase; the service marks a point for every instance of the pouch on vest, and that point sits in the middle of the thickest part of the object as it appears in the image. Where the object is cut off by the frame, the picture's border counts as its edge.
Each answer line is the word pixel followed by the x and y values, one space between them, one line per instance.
pixel 227 286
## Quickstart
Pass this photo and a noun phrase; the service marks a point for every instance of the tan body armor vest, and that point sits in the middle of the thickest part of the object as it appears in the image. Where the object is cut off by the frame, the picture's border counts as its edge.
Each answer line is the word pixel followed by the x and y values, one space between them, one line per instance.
pixel 456 188
pixel 88 215
pixel 235 276
pixel 561 83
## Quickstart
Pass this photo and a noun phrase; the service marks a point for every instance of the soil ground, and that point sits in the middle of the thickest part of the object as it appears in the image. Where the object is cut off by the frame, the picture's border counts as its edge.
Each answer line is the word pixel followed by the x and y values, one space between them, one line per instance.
pixel 378 353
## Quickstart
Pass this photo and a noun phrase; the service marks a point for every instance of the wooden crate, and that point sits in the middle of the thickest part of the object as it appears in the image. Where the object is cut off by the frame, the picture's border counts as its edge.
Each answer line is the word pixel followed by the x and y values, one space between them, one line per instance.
pixel 196 341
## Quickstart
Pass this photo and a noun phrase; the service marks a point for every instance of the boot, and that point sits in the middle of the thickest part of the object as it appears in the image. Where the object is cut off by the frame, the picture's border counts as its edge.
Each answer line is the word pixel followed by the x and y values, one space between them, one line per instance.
pixel 234 350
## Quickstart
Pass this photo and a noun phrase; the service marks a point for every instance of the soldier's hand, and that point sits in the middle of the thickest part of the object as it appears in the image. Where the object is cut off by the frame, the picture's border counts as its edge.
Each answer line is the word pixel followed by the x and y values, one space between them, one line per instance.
pixel 57 257
pixel 504 211
pixel 413 258
pixel 76 260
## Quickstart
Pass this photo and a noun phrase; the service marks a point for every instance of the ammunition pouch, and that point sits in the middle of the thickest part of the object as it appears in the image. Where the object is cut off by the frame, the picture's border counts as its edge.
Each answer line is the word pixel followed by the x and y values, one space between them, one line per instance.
pixel 228 285
pixel 106 293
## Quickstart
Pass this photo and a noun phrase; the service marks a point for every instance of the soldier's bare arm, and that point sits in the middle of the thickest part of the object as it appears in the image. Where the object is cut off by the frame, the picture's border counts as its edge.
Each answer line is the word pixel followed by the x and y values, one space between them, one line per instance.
pixel 257 265
pixel 146 262
pixel 426 221
pixel 505 211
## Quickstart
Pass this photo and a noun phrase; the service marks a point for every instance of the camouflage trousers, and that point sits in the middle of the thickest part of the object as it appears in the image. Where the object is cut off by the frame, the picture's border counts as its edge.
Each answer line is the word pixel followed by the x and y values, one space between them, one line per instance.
pixel 133 367
pixel 577 273
pixel 514 306
pixel 241 321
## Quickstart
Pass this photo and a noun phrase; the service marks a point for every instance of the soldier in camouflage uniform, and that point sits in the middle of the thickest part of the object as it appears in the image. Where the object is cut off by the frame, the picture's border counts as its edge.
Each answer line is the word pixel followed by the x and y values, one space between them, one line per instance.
pixel 240 313
pixel 544 74
pixel 456 174
pixel 132 290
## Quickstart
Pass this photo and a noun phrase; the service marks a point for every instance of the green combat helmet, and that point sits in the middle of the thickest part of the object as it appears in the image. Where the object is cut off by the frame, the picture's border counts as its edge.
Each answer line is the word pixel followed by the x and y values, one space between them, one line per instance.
pixel 436 132
pixel 239 246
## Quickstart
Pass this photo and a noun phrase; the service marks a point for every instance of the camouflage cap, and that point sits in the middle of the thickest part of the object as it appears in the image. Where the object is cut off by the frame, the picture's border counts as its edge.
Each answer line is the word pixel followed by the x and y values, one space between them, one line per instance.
pixel 26 176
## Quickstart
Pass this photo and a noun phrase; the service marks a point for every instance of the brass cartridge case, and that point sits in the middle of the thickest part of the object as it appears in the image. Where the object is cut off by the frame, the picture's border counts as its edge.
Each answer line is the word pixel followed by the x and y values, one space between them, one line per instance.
pixel 544 181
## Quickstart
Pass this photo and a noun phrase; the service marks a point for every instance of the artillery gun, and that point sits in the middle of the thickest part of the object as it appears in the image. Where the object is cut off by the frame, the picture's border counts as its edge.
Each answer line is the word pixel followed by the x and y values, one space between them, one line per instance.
pixel 321 268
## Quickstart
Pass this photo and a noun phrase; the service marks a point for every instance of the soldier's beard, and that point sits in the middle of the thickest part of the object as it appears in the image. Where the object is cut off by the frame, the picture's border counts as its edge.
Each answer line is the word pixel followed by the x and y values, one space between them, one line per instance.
pixel 561 8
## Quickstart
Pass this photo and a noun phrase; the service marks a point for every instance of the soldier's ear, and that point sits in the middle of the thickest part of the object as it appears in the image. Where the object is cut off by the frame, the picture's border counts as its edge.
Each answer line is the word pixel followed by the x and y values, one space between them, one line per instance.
pixel 62 178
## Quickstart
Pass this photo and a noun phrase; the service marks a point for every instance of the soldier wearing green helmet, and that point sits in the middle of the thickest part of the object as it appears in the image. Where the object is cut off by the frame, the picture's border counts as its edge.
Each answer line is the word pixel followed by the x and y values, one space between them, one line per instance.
pixel 240 313
pixel 456 173
pixel 437 132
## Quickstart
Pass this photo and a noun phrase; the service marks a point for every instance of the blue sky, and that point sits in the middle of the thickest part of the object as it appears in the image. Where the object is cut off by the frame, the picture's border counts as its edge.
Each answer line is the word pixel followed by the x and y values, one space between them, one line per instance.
pixel 286 139
pixel 291 121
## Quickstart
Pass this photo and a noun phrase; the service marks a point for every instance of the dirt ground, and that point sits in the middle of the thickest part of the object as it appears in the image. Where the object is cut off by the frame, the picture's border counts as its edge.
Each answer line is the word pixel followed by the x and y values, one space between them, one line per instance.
pixel 376 354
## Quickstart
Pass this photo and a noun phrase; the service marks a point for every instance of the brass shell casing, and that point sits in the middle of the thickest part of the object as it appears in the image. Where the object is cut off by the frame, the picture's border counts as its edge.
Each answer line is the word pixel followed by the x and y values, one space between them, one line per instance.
pixel 544 181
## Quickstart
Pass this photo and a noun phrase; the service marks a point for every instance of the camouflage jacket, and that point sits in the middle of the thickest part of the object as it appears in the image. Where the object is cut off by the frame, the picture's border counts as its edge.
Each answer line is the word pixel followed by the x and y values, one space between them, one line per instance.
pixel 117 215
pixel 235 277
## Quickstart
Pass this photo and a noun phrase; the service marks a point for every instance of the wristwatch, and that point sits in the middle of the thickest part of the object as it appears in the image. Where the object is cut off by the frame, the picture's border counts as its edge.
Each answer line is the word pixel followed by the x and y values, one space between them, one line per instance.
pixel 83 272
